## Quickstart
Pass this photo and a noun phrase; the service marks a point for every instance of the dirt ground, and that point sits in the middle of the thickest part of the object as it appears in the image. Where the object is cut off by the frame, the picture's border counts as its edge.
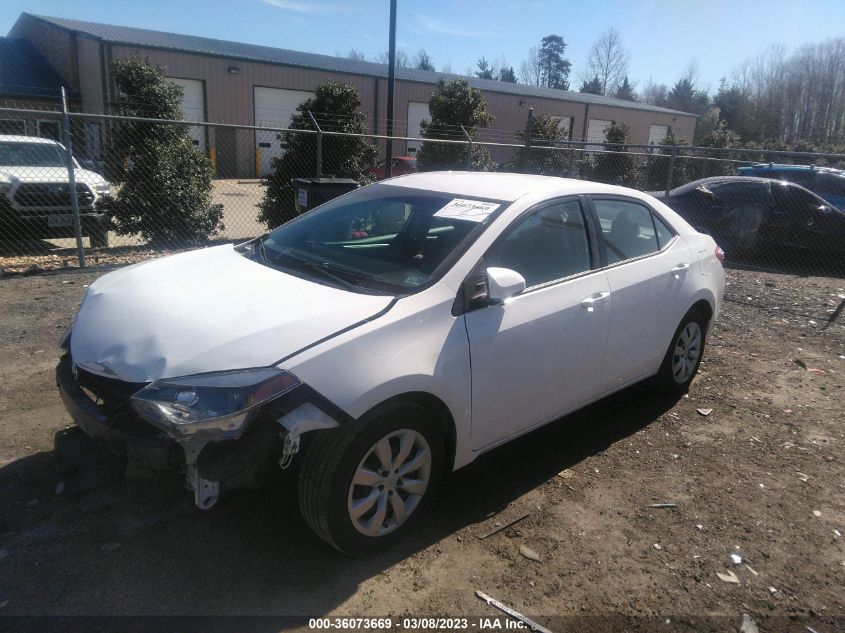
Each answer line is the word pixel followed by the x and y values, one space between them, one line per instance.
pixel 762 476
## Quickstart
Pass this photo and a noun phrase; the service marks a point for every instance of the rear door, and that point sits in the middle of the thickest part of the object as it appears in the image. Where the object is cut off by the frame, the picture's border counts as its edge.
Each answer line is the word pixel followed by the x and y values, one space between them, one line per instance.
pixel 650 278
pixel 539 354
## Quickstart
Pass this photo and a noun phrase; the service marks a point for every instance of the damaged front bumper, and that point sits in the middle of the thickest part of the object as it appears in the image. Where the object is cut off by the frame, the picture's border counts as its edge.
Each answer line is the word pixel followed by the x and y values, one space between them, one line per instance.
pixel 101 408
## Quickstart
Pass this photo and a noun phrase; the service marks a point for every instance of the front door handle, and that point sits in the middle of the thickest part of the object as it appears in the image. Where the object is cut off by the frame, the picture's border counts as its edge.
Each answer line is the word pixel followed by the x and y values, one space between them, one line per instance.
pixel 677 270
pixel 590 302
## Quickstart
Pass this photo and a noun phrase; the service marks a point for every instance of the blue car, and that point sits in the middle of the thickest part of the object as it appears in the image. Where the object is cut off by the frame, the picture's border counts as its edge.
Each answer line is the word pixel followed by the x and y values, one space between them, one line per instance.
pixel 826 182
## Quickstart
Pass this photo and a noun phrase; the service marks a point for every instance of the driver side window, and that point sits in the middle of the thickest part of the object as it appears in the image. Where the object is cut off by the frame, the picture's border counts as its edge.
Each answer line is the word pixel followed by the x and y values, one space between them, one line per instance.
pixel 549 244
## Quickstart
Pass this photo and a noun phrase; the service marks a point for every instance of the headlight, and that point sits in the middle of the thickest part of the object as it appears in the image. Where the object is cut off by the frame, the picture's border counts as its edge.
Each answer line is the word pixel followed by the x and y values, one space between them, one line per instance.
pixel 103 189
pixel 215 405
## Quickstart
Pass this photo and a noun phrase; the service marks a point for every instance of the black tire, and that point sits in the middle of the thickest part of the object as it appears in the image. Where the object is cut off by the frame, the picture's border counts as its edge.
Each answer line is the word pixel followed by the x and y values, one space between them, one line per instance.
pixel 666 380
pixel 333 458
pixel 99 237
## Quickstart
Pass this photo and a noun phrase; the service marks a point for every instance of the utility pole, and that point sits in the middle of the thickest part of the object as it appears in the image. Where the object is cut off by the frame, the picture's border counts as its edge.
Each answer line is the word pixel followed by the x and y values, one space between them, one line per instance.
pixel 391 84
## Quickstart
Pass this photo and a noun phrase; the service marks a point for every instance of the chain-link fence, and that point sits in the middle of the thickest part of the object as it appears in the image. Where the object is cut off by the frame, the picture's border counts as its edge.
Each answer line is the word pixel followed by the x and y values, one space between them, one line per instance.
pixel 144 187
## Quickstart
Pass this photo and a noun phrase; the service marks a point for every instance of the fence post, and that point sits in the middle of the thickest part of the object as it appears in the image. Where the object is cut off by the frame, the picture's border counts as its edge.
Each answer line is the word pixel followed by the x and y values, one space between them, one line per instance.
pixel 671 169
pixel 71 177
pixel 469 148
pixel 319 145
pixel 529 126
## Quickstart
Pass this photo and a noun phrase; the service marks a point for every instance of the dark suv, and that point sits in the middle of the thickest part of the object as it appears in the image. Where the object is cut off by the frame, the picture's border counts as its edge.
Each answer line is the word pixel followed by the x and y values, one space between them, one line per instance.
pixel 826 182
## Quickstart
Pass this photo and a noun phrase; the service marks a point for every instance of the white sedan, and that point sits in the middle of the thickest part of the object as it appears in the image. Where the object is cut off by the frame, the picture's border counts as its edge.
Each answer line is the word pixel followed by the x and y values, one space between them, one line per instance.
pixel 389 336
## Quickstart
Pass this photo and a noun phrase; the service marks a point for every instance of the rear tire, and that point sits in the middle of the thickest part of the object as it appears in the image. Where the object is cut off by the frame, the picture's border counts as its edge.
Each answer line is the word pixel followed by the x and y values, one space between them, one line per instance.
pixel 683 358
pixel 99 237
pixel 348 492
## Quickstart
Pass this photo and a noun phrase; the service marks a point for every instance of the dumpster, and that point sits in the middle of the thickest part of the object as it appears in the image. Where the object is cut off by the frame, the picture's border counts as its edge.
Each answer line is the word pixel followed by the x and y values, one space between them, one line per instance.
pixel 312 192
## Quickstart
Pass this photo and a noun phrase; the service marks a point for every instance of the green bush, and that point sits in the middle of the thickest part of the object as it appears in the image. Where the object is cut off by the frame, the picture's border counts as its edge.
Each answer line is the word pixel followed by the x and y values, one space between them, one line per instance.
pixel 546 133
pixel 615 165
pixel 335 106
pixel 164 182
pixel 454 104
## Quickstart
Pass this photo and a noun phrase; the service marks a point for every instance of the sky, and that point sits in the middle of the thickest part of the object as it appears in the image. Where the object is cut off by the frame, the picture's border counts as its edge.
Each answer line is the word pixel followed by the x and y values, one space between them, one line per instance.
pixel 662 36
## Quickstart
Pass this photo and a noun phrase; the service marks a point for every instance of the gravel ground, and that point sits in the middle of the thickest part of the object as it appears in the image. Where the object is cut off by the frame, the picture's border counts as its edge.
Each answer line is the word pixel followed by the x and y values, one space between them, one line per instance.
pixel 762 476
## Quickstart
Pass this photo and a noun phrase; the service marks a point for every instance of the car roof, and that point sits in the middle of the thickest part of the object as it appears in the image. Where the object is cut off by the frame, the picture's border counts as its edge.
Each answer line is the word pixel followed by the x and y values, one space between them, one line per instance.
pixel 18 138
pixel 751 179
pixel 786 167
pixel 500 186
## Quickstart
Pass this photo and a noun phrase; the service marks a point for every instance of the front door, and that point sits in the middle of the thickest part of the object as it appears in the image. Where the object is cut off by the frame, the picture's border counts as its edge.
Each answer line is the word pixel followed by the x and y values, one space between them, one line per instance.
pixel 539 354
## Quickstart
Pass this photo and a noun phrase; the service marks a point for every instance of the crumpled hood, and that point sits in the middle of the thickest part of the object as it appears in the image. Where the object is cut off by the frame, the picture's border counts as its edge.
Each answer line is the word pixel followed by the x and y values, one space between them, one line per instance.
pixel 13 175
pixel 206 310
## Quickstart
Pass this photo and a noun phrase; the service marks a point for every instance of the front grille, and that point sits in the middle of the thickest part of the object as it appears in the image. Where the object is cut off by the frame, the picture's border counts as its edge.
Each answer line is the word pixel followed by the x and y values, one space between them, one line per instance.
pixel 52 194
pixel 111 391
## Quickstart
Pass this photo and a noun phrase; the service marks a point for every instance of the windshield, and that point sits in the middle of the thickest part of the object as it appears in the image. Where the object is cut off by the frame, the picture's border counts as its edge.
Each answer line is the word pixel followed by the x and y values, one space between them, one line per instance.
pixel 32 155
pixel 381 238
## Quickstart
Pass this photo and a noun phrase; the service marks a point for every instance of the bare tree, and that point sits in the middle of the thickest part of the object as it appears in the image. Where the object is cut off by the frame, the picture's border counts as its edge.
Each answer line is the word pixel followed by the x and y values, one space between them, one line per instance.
pixel 608 60
pixel 354 53
pixel 422 60
pixel 402 59
pixel 529 69
pixel 654 94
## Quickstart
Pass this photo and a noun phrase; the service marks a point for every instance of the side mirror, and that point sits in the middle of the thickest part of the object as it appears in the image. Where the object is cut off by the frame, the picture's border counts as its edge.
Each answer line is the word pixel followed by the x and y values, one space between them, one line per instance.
pixel 503 283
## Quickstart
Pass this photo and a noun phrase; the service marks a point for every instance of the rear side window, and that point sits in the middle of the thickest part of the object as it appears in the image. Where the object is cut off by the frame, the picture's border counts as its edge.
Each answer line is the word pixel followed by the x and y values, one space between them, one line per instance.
pixel 664 233
pixel 627 228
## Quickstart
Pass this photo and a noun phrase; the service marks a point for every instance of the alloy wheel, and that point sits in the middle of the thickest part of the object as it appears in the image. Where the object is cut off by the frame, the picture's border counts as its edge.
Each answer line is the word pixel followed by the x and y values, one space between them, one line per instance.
pixel 389 483
pixel 687 351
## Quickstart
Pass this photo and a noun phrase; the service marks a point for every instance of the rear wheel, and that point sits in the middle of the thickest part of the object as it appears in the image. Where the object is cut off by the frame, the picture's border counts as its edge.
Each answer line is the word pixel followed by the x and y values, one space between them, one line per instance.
pixel 362 485
pixel 99 237
pixel 680 365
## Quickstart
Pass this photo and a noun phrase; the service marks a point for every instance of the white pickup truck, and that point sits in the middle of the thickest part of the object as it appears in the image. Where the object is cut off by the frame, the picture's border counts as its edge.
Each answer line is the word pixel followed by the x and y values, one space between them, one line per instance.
pixel 35 197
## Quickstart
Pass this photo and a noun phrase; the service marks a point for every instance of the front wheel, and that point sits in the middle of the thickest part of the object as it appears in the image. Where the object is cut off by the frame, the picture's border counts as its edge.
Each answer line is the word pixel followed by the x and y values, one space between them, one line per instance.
pixel 362 485
pixel 680 365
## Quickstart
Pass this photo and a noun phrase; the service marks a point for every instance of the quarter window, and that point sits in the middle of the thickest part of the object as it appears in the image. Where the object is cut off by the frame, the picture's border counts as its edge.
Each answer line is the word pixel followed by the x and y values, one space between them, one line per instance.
pixel 627 228
pixel 549 244
pixel 664 233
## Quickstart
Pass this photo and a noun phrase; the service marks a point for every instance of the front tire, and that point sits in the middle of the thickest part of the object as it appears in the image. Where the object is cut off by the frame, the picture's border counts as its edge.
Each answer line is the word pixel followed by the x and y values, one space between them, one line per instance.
pixel 683 358
pixel 362 485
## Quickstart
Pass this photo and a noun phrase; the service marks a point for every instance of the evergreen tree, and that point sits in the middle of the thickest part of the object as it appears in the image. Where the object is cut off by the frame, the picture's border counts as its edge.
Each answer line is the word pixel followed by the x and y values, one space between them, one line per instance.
pixel 507 74
pixel 592 87
pixel 615 165
pixel 454 104
pixel 546 132
pixel 554 67
pixel 484 70
pixel 625 91
pixel 335 106
pixel 163 181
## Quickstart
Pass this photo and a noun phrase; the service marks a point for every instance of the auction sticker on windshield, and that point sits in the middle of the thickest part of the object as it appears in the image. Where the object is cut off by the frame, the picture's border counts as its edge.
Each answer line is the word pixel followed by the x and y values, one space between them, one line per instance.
pixel 470 210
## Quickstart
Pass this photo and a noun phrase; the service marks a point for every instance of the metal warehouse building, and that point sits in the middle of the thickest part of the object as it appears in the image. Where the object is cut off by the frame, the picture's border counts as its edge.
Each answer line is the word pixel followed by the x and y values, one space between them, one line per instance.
pixel 229 82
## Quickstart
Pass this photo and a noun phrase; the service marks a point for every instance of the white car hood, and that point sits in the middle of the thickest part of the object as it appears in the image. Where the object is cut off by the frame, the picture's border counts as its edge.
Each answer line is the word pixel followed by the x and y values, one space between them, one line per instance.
pixel 206 310
pixel 48 174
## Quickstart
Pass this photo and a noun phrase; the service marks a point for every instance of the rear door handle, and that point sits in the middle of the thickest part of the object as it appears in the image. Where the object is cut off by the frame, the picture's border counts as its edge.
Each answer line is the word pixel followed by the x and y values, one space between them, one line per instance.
pixel 677 270
pixel 590 302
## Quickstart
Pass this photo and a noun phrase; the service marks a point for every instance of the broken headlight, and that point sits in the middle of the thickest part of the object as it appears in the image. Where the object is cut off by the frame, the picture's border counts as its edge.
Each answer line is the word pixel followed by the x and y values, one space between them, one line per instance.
pixel 215 405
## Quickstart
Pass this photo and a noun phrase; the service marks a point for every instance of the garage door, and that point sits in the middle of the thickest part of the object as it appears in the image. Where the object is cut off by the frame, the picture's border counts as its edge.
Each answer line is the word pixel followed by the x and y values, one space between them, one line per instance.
pixel 274 107
pixel 656 134
pixel 595 131
pixel 417 111
pixel 193 107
